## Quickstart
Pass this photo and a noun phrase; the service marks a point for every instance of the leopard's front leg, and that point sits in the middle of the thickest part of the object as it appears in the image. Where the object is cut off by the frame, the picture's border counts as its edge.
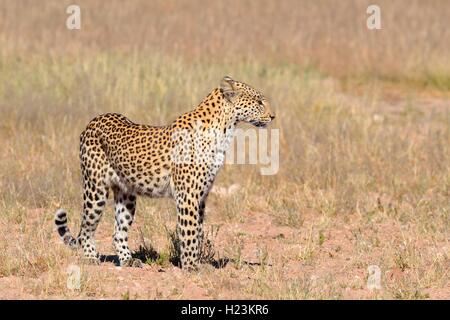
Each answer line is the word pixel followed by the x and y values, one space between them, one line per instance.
pixel 189 231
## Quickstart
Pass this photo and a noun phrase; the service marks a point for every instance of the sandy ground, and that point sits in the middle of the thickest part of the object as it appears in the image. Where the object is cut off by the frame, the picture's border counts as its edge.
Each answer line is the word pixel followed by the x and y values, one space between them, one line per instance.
pixel 326 257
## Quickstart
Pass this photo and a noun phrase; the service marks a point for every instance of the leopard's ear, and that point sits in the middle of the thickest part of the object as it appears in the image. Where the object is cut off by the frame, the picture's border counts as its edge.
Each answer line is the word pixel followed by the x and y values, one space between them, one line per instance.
pixel 228 88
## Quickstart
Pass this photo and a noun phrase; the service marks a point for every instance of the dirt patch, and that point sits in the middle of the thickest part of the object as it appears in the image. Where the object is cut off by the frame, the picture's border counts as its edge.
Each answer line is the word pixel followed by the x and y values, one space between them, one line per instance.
pixel 265 260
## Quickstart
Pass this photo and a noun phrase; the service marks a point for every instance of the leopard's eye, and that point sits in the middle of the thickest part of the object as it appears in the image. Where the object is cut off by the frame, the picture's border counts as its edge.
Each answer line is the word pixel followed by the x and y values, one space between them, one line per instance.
pixel 260 102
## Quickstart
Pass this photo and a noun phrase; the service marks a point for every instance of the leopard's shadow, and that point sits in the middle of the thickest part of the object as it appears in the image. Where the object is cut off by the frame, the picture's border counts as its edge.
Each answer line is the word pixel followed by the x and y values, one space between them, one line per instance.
pixel 110 258
pixel 144 257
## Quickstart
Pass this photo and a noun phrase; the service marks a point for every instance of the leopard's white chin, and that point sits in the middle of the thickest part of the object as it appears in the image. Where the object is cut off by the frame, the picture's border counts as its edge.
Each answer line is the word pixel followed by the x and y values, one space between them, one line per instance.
pixel 260 124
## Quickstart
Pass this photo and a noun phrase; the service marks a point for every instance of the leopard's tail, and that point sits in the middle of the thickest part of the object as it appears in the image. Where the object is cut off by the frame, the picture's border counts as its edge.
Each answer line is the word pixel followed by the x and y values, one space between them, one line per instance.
pixel 63 230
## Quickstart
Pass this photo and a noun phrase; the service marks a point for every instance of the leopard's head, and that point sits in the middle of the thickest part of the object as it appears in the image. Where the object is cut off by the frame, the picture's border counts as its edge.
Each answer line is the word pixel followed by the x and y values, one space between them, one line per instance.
pixel 248 104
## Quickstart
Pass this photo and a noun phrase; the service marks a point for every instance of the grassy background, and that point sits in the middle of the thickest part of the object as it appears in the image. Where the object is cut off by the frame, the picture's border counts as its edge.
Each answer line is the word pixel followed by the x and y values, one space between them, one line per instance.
pixel 363 118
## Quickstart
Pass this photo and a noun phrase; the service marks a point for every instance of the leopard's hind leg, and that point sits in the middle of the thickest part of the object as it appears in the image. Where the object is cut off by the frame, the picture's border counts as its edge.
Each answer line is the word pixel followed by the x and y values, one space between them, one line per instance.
pixel 94 167
pixel 125 207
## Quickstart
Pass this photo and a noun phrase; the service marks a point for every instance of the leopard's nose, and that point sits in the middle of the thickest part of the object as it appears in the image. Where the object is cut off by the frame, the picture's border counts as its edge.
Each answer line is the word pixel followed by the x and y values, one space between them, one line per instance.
pixel 272 116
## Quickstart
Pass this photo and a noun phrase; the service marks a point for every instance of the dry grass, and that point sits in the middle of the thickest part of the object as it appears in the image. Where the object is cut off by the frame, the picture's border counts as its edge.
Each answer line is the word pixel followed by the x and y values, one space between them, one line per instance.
pixel 365 144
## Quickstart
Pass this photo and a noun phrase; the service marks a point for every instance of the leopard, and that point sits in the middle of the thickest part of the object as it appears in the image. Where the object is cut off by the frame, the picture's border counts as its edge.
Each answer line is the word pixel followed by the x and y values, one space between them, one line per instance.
pixel 180 160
